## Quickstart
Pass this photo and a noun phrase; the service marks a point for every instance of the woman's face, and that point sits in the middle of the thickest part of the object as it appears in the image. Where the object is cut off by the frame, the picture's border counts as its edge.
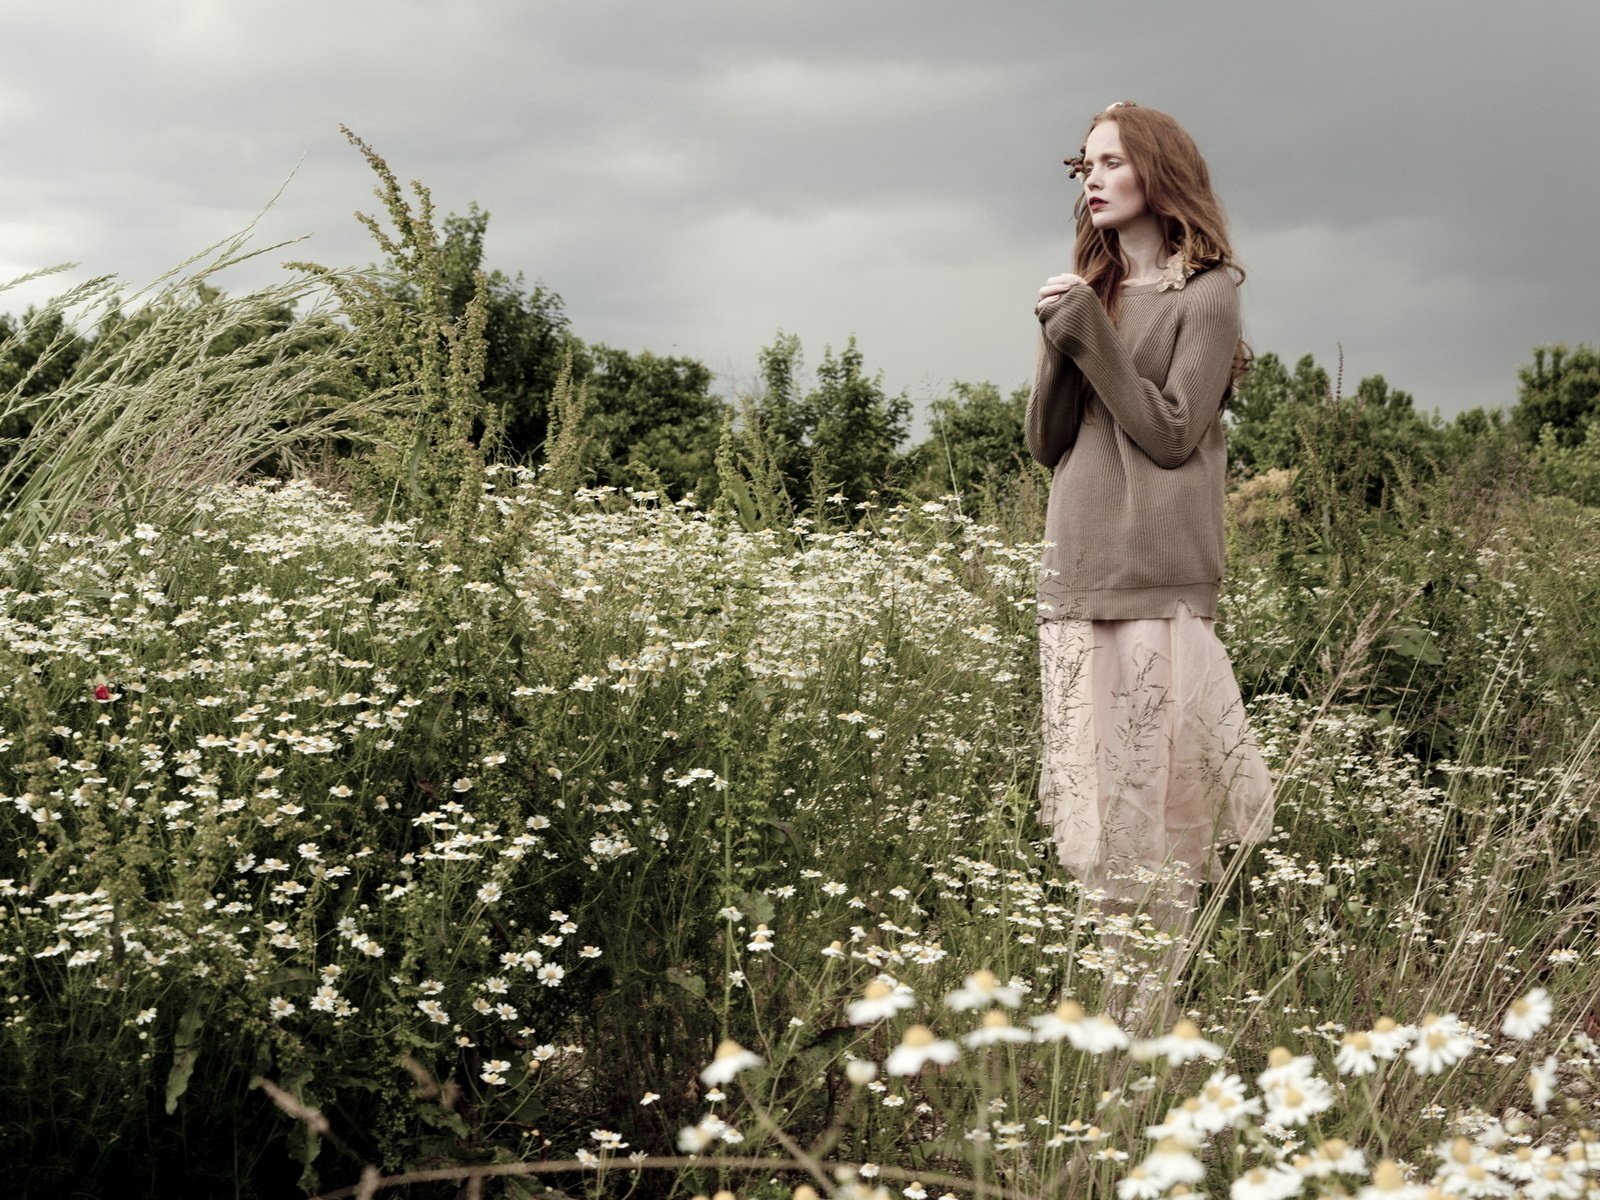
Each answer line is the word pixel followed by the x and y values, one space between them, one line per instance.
pixel 1112 191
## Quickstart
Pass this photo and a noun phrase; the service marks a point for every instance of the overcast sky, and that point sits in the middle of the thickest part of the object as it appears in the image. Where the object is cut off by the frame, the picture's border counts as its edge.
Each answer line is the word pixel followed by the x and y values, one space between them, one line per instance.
pixel 1414 181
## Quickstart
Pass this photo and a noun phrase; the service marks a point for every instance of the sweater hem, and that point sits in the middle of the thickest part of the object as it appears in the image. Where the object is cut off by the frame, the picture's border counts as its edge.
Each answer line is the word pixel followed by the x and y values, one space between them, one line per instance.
pixel 1124 604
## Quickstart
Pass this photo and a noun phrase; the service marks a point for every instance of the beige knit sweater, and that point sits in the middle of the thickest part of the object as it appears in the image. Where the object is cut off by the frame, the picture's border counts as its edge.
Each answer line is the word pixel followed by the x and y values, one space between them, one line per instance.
pixel 1128 417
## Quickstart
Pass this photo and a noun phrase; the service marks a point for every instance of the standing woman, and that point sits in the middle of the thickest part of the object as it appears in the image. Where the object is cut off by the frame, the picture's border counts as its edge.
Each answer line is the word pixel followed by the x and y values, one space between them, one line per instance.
pixel 1149 769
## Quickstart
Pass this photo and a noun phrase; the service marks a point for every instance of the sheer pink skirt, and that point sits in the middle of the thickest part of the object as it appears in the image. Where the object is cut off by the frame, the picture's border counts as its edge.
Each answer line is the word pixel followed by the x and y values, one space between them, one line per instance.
pixel 1149 765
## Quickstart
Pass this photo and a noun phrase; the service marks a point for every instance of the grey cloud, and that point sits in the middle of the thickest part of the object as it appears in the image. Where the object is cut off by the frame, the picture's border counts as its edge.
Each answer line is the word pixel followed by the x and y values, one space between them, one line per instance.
pixel 1412 181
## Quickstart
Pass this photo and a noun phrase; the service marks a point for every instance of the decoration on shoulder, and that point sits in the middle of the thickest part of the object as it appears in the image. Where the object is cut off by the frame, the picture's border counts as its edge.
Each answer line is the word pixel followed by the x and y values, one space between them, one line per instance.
pixel 1177 273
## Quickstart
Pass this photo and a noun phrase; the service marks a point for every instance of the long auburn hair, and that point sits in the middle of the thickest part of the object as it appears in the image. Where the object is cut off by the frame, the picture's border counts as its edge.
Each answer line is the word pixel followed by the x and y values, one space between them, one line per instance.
pixel 1177 190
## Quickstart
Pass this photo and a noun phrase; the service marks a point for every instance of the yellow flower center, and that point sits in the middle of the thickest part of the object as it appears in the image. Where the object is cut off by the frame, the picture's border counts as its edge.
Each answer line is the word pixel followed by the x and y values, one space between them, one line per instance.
pixel 1279 1057
pixel 728 1048
pixel 1358 1041
pixel 1386 1176
pixel 919 1035
pixel 995 1019
pixel 877 990
pixel 1186 1028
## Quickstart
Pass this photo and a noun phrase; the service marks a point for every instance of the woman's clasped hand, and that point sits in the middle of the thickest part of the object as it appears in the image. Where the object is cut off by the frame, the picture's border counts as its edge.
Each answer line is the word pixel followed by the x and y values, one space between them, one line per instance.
pixel 1054 286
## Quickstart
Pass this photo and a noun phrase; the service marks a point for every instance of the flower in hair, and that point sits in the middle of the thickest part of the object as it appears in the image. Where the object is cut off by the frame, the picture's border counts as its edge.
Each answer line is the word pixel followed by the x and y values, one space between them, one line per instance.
pixel 1075 165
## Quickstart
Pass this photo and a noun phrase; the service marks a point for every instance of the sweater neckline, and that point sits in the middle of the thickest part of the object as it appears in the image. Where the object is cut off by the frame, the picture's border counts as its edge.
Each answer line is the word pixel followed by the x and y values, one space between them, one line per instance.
pixel 1173 277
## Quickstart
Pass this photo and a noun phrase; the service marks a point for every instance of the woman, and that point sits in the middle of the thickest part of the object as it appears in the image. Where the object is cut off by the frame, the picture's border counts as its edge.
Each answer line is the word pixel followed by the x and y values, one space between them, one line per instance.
pixel 1149 768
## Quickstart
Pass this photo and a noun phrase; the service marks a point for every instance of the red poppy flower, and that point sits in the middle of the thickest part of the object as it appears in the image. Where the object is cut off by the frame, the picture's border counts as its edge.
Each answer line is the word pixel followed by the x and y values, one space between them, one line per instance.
pixel 102 692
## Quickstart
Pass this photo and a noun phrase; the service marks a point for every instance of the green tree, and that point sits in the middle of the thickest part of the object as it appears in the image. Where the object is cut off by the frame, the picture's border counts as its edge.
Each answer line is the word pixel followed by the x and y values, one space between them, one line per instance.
pixel 842 436
pixel 1359 446
pixel 526 332
pixel 1571 469
pixel 1561 395
pixel 781 413
pixel 654 418
pixel 854 428
pixel 1267 408
pixel 38 353
pixel 976 440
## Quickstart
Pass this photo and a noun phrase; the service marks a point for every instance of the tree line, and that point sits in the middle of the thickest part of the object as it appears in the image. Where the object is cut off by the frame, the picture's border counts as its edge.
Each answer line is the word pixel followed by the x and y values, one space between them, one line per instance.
pixel 655 421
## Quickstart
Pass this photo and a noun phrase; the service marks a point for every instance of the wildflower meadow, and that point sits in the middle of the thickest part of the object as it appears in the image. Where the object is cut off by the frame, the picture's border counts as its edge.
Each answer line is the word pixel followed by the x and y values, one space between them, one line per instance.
pixel 377 817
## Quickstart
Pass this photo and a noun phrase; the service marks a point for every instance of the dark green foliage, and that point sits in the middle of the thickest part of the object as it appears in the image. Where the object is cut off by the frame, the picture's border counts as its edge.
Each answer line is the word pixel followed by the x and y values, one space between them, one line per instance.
pixel 843 436
pixel 1360 446
pixel 39 356
pixel 1266 409
pixel 655 419
pixel 1560 394
pixel 855 427
pixel 43 353
pixel 976 440
pixel 526 332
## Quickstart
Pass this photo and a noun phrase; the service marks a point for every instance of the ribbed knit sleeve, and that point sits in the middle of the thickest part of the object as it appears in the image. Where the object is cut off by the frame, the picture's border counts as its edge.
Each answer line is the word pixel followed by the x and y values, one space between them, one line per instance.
pixel 1167 422
pixel 1055 405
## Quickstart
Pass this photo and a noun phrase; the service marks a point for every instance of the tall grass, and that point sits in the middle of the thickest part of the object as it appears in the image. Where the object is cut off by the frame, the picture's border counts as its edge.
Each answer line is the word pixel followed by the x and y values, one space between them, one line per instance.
pixel 194 387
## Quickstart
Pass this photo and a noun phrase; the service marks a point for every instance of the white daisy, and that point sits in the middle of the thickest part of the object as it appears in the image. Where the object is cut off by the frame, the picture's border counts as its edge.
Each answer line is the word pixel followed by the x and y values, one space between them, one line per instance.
pixel 1389 1184
pixel 1140 1184
pixel 860 1071
pixel 1098 1035
pixel 1173 1161
pixel 1441 1042
pixel 1296 1101
pixel 918 1048
pixel 996 1027
pixel 692 1139
pixel 1285 1067
pixel 729 1060
pixel 1389 1037
pixel 1183 1043
pixel 1542 1083
pixel 1092 1035
pixel 1334 1156
pixel 1266 1183
pixel 982 989
pixel 1528 1015
pixel 1355 1056
pixel 1222 1103
pixel 881 1000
